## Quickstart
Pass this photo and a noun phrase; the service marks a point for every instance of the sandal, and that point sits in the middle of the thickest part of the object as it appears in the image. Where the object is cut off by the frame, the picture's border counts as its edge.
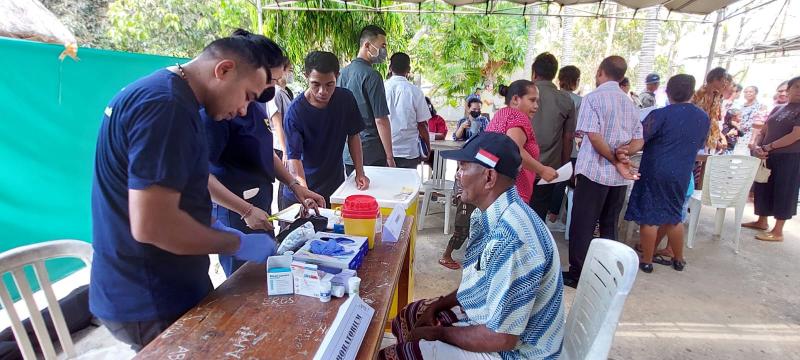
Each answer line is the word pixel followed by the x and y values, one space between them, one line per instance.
pixel 662 260
pixel 754 225
pixel 678 265
pixel 450 264
pixel 768 236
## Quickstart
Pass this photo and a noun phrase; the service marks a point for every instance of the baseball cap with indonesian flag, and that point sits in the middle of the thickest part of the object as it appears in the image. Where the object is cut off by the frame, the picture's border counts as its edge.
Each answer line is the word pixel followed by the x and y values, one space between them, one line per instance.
pixel 492 150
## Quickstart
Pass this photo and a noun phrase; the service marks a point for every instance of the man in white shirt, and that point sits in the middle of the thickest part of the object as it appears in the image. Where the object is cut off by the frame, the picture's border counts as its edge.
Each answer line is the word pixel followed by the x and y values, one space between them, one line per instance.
pixel 409 114
pixel 276 108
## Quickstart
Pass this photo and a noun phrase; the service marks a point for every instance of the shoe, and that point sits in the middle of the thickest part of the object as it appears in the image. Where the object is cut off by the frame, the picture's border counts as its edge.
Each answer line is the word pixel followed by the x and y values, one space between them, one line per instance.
pixel 678 265
pixel 648 268
pixel 556 226
pixel 569 280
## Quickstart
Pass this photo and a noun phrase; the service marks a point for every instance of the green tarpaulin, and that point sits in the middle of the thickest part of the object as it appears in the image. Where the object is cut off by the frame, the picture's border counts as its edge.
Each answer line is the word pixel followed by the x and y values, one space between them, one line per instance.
pixel 50 113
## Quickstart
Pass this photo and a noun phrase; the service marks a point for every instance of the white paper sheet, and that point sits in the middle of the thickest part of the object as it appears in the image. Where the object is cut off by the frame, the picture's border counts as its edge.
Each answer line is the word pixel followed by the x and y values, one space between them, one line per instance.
pixel 564 174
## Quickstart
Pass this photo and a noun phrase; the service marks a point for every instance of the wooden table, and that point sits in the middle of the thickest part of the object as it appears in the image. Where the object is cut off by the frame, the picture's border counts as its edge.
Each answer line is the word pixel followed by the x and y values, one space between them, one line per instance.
pixel 439 163
pixel 239 321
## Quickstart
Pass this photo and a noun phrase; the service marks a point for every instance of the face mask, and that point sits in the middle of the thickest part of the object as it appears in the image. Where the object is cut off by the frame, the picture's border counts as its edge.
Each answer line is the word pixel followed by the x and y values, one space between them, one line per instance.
pixel 380 57
pixel 267 95
pixel 475 114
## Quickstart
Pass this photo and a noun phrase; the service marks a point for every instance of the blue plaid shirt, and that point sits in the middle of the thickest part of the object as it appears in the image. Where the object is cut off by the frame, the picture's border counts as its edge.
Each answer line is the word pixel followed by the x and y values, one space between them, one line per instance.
pixel 482 120
pixel 511 280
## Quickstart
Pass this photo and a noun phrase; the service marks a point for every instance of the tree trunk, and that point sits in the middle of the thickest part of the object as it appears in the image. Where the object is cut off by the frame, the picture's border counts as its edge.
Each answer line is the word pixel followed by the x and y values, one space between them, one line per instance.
pixel 612 26
pixel 647 56
pixel 530 53
pixel 567 32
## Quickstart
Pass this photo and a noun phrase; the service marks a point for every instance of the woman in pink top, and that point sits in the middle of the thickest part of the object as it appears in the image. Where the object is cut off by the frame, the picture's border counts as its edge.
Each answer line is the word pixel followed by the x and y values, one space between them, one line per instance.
pixel 514 120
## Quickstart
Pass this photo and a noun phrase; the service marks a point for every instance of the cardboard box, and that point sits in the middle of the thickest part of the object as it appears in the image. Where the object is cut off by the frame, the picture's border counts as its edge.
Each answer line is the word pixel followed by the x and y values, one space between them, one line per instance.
pixel 308 278
pixel 279 275
pixel 359 249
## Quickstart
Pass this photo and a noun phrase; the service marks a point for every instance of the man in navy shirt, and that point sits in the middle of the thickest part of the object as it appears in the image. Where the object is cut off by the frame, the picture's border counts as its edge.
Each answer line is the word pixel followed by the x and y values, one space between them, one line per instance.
pixel 243 166
pixel 151 209
pixel 317 125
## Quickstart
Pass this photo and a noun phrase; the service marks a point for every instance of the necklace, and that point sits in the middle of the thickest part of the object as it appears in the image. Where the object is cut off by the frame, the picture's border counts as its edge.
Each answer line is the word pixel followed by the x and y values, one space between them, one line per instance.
pixel 180 69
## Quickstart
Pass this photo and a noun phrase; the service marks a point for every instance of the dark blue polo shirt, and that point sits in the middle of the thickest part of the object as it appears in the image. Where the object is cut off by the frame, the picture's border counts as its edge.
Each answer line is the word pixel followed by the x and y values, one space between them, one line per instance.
pixel 241 155
pixel 151 134
pixel 317 137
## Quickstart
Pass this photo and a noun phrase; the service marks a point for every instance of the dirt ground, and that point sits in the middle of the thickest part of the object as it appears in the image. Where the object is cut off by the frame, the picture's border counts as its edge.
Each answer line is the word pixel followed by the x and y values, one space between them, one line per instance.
pixel 722 306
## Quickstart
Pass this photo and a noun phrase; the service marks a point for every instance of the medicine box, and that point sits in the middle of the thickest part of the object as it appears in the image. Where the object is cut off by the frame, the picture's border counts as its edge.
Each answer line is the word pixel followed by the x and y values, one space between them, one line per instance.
pixel 279 275
pixel 357 244
pixel 308 278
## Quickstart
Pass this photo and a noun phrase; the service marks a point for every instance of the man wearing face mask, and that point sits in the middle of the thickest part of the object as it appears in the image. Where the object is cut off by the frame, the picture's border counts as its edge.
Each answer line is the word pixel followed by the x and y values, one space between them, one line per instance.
pixel 276 108
pixel 151 209
pixel 243 166
pixel 367 86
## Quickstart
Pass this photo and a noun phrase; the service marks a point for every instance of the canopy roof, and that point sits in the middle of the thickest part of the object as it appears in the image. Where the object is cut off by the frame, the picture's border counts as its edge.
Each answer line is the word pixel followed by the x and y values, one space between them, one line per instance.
pixel 517 7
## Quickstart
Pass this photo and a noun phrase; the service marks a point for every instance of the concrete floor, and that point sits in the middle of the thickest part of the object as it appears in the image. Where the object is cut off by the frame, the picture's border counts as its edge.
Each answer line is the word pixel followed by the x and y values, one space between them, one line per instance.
pixel 723 306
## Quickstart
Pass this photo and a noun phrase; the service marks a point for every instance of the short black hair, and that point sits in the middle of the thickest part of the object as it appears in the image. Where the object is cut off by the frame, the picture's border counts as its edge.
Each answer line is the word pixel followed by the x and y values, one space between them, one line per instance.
pixel 369 33
pixel 680 88
pixel 321 61
pixel 614 67
pixel 738 87
pixel 473 99
pixel 755 88
pixel 251 49
pixel 430 106
pixel 545 66
pixel 791 82
pixel 569 76
pixel 625 82
pixel 715 74
pixel 782 84
pixel 400 63
pixel 517 88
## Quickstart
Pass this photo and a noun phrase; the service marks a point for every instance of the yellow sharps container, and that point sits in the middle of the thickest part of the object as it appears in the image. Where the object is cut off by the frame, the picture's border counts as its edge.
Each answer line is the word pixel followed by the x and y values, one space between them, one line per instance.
pixel 390 186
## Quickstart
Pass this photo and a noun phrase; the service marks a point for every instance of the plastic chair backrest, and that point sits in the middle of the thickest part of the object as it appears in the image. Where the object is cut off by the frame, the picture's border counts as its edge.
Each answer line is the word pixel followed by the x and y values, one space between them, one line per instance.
pixel 606 279
pixel 728 179
pixel 14 261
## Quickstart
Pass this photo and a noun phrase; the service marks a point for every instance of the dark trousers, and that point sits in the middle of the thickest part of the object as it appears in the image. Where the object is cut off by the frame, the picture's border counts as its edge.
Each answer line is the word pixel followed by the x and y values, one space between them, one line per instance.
pixel 350 168
pixel 137 334
pixel 406 163
pixel 547 198
pixel 592 202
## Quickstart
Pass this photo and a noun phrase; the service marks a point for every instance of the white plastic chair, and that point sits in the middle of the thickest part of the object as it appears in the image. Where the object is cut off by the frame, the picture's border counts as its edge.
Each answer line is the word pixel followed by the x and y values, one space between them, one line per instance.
pixel 14 261
pixel 607 277
pixel 726 183
pixel 440 186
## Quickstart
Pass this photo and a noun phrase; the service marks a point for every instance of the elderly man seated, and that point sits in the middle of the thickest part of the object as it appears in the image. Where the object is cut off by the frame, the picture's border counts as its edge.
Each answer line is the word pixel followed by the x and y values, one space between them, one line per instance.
pixel 509 302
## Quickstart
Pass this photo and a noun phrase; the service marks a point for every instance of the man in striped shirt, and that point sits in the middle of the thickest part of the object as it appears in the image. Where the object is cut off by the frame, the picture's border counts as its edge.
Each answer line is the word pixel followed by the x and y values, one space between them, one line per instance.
pixel 509 302
pixel 610 123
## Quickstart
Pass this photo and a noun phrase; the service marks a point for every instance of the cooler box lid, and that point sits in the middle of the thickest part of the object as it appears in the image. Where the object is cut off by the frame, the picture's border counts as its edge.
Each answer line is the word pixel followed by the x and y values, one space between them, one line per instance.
pixel 390 186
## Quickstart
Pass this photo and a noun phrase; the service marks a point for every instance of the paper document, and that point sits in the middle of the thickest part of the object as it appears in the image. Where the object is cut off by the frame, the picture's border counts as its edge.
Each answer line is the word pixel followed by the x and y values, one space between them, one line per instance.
pixel 344 337
pixel 564 174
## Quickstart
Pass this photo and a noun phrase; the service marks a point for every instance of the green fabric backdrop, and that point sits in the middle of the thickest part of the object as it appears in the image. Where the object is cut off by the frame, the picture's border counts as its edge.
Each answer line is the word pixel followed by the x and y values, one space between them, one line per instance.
pixel 50 114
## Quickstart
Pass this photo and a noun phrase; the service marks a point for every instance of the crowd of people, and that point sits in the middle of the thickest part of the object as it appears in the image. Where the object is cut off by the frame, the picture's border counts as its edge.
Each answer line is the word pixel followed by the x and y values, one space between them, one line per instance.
pixel 186 158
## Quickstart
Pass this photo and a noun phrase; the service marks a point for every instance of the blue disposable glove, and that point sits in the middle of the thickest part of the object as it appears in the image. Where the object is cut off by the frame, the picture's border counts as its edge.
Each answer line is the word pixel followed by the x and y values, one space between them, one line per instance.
pixel 252 247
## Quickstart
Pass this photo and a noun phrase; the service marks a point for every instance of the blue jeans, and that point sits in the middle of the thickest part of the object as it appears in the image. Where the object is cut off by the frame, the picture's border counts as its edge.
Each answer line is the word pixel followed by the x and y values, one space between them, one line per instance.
pixel 232 220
